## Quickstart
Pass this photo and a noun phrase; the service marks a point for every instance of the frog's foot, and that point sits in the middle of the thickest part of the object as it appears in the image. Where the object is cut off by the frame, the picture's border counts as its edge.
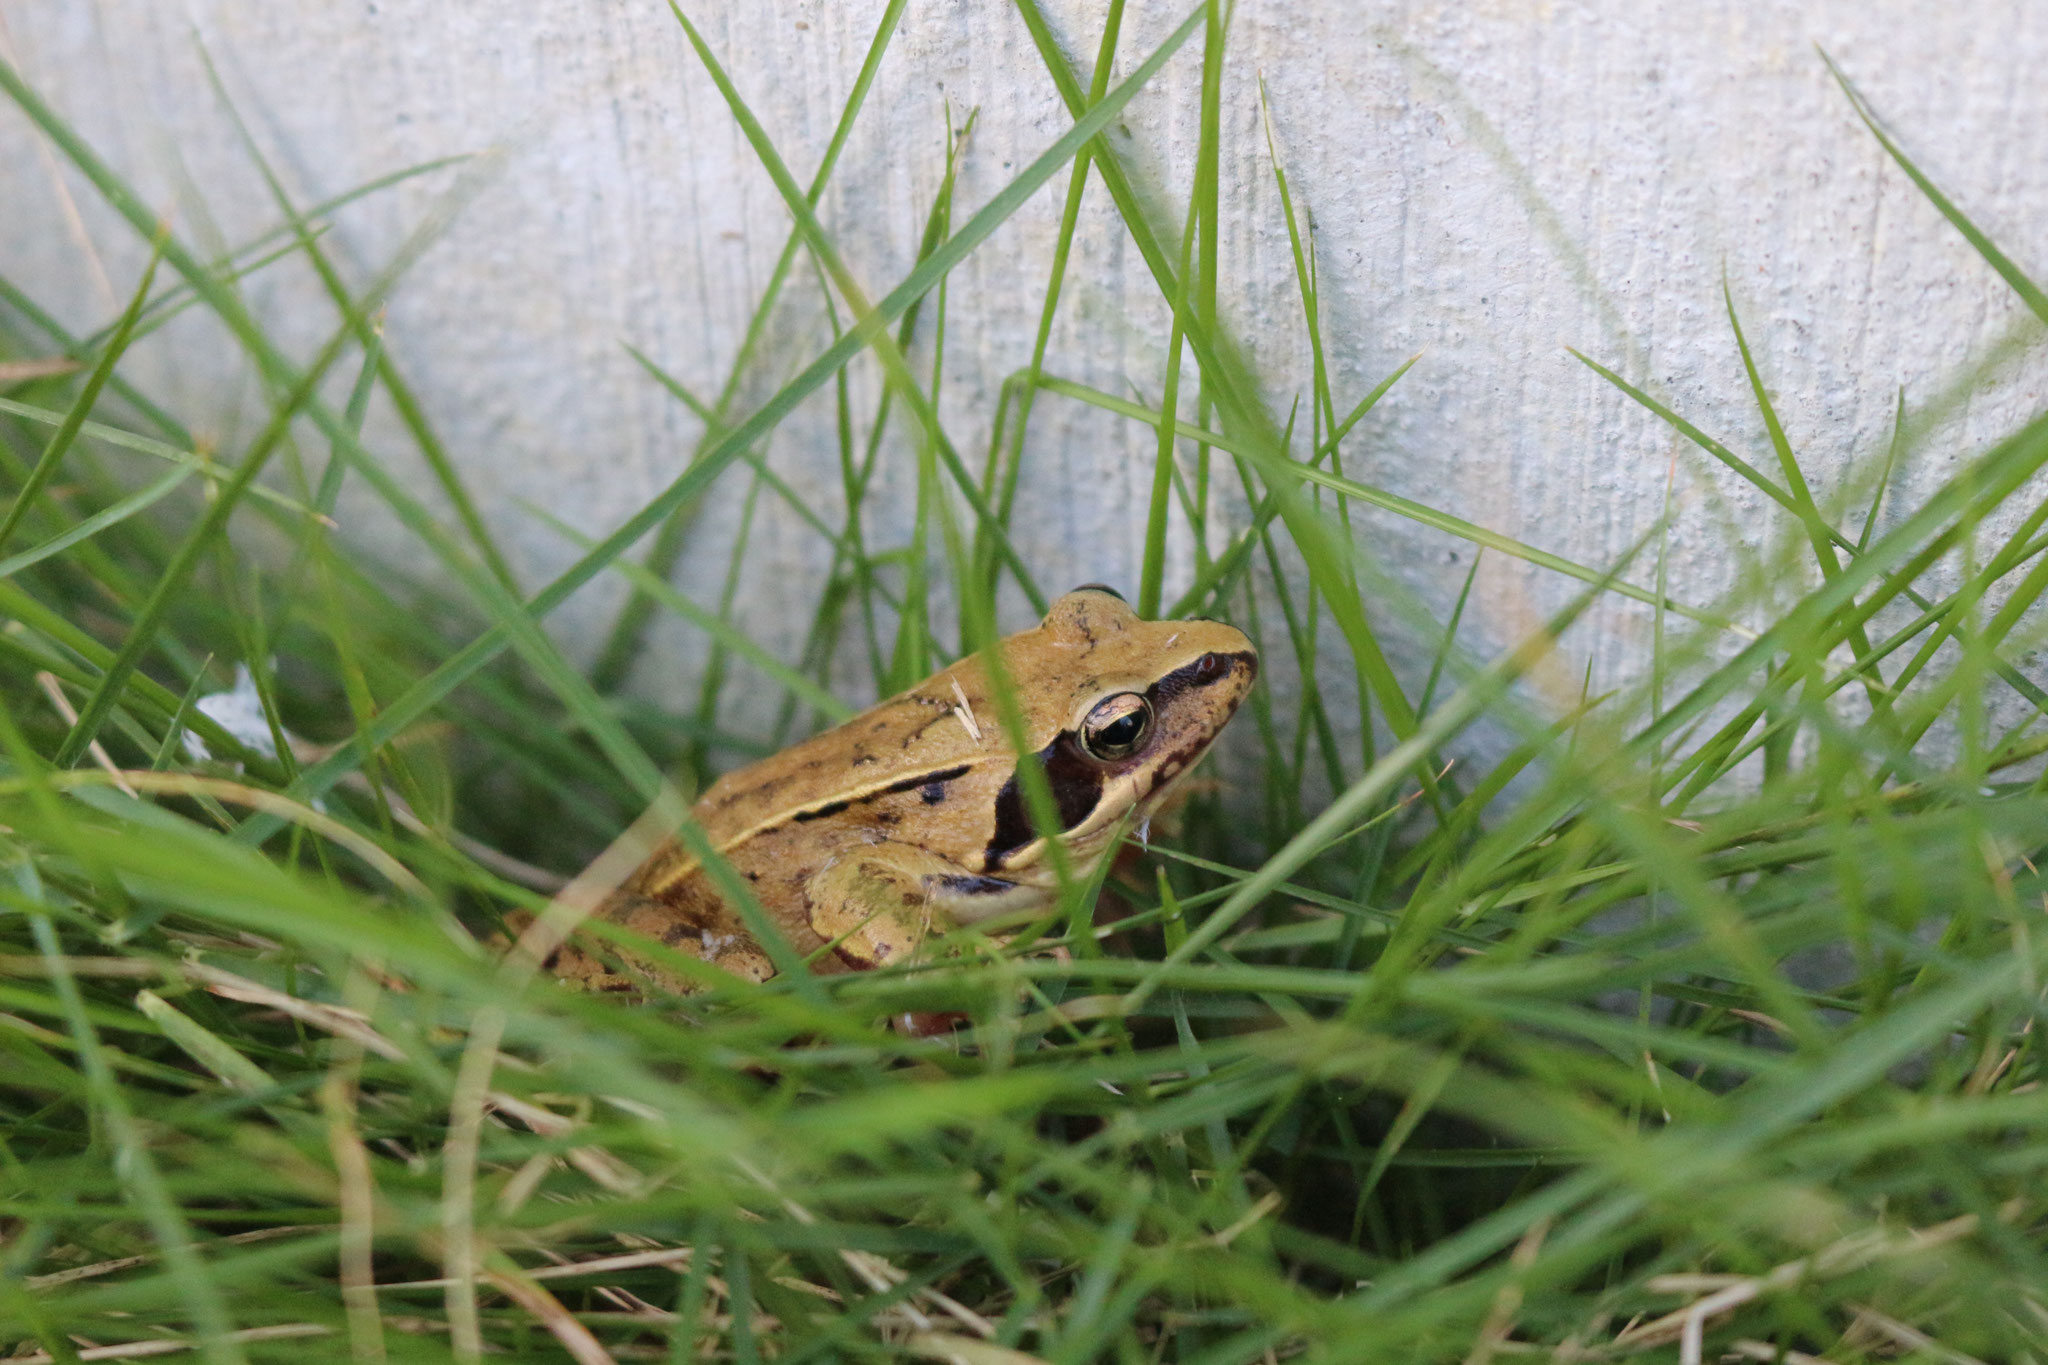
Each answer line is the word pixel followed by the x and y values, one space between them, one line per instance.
pixel 880 901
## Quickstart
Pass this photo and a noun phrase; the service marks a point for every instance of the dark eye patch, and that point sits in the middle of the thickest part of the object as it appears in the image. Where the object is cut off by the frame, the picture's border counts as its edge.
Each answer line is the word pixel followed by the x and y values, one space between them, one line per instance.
pixel 1208 669
pixel 1076 790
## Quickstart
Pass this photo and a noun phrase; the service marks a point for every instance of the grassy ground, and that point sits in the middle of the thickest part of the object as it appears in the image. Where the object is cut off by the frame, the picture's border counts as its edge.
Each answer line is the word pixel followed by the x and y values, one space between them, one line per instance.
pixel 1717 1042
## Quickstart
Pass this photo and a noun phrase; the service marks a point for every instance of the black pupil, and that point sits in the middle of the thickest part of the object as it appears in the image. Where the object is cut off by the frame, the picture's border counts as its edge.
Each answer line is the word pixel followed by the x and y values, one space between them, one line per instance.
pixel 1207 667
pixel 1121 732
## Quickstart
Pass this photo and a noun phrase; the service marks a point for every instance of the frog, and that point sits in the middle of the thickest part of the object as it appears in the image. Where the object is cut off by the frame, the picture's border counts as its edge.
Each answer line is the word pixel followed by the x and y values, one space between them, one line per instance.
pixel 872 838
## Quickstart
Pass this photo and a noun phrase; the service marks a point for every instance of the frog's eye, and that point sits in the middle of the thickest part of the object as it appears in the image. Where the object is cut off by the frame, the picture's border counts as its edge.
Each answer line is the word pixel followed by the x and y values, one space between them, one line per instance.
pixel 1117 726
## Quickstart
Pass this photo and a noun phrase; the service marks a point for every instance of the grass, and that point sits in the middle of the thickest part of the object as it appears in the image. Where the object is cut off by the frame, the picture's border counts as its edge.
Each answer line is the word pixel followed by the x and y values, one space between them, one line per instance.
pixel 1701 1024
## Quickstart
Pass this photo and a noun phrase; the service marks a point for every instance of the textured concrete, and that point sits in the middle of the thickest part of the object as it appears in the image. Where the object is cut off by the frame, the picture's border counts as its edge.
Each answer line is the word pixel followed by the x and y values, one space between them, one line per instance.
pixel 1488 184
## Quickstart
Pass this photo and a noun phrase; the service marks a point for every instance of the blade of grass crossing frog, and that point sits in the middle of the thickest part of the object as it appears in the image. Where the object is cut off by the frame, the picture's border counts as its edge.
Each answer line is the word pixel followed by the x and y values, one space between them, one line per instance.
pixel 590 712
pixel 424 694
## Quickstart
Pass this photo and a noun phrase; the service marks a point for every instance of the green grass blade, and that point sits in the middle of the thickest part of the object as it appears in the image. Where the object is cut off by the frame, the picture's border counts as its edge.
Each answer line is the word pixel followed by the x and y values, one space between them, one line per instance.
pixel 60 441
pixel 2029 292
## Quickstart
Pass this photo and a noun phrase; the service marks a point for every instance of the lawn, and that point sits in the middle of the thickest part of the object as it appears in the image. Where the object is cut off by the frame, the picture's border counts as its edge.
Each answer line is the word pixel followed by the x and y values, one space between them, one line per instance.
pixel 1693 1021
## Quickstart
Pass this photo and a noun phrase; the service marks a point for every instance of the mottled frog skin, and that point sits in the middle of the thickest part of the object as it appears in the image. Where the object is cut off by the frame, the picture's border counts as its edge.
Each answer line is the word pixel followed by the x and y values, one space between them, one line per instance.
pixel 909 818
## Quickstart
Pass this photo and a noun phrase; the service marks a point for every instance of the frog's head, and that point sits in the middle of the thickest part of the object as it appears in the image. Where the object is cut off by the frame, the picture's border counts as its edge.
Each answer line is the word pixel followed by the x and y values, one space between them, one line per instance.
pixel 1121 708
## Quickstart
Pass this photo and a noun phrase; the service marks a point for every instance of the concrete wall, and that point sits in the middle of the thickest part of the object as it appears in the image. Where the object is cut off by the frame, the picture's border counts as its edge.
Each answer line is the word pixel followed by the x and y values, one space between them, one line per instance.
pixel 1488 184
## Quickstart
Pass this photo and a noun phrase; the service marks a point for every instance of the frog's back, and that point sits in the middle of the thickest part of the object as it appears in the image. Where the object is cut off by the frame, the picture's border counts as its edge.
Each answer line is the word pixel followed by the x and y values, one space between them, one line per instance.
pixel 898 744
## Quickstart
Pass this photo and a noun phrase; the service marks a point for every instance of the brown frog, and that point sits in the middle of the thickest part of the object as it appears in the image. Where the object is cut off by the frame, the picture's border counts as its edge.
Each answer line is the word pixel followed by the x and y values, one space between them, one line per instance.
pixel 909 818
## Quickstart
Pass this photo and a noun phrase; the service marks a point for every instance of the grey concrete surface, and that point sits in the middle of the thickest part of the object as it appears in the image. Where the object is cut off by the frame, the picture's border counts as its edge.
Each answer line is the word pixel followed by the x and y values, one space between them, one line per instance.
pixel 1488 184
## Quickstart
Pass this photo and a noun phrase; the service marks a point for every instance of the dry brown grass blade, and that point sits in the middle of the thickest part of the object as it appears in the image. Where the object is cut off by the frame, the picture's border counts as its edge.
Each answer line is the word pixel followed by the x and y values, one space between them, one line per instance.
pixel 338 1020
pixel 43 367
pixel 604 1265
pixel 599 1165
pixel 135 781
pixel 1721 1295
pixel 462 1251
pixel 581 896
pixel 879 1274
pixel 959 1350
pixel 1500 1318
pixel 58 1278
pixel 545 1308
pixel 54 690
pixel 356 1196
pixel 1747 1349
pixel 165 1346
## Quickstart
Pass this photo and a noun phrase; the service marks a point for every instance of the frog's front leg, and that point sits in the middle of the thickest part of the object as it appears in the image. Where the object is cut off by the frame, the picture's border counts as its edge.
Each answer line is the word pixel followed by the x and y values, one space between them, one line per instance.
pixel 879 901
